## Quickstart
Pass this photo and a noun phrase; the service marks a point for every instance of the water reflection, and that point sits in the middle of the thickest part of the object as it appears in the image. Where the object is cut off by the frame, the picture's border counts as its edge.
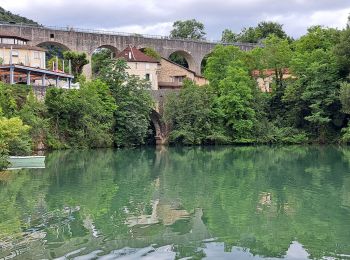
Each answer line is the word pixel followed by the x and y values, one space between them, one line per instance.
pixel 205 202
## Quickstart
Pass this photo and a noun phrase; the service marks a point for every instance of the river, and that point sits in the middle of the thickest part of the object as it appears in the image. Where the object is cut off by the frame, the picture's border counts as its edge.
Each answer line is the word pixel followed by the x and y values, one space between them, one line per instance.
pixel 177 202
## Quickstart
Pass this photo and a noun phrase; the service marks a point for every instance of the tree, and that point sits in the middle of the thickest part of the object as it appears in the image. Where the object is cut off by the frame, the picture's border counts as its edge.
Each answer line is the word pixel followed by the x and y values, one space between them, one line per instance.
pixel 98 60
pixel 82 117
pixel 14 136
pixel 344 95
pixel 52 64
pixel 266 29
pixel 249 34
pixel 33 114
pixel 134 103
pixel 261 32
pixel 228 36
pixel 189 29
pixel 234 102
pixel 190 116
pixel 178 59
pixel 151 53
pixel 218 62
pixel 277 55
pixel 342 52
pixel 78 61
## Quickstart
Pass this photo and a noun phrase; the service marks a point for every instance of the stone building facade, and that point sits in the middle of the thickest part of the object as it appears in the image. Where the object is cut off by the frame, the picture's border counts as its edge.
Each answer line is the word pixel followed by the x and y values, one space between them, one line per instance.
pixel 172 75
pixel 16 50
pixel 141 65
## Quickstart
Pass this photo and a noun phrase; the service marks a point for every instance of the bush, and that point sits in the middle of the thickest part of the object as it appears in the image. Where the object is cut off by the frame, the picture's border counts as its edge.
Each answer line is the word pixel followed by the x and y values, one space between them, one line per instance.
pixel 14 136
pixel 81 118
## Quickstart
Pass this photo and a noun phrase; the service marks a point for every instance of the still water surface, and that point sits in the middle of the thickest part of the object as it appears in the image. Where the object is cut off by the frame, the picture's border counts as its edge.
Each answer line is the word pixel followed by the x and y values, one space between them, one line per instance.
pixel 173 203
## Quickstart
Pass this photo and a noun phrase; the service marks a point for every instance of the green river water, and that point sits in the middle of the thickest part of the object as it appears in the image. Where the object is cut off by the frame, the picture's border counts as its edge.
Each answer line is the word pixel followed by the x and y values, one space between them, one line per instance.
pixel 173 203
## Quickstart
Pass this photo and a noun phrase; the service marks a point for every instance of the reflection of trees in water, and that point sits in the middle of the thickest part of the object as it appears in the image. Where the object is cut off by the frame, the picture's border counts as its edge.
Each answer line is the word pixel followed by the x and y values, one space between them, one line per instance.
pixel 231 185
pixel 261 198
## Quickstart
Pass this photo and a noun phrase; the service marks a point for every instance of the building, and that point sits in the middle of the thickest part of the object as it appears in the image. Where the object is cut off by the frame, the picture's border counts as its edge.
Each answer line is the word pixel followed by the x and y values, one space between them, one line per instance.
pixel 163 74
pixel 141 65
pixel 16 50
pixel 265 78
pixel 22 63
pixel 172 75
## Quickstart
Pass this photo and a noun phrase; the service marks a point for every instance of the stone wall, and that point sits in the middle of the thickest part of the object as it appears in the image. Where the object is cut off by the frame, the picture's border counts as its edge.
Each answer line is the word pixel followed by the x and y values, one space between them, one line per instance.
pixel 169 70
pixel 88 42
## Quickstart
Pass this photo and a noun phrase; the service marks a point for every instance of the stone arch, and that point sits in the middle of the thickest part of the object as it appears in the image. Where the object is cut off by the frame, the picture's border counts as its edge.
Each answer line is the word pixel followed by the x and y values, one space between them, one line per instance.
pixel 160 127
pixel 188 57
pixel 54 43
pixel 91 70
pixel 204 61
pixel 53 49
pixel 113 49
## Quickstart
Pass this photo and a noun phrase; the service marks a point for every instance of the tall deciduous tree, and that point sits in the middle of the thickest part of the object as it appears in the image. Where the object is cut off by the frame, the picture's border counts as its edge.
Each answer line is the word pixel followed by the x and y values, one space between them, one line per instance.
pixel 228 36
pixel 189 29
pixel 78 61
pixel 134 103
pixel 189 115
pixel 217 63
pixel 98 60
pixel 277 55
pixel 234 102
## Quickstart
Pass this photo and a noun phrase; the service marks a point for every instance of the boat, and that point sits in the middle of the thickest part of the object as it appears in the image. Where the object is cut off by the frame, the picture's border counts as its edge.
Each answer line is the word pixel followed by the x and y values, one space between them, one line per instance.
pixel 26 162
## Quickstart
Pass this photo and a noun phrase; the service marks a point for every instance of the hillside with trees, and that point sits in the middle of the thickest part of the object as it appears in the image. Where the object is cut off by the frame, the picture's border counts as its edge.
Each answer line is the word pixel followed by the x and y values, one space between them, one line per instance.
pixel 8 17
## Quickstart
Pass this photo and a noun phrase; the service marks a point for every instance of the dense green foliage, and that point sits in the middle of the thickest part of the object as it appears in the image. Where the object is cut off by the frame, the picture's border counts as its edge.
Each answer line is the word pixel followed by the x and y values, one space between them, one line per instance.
pixel 189 29
pixel 98 59
pixel 309 98
pixel 133 100
pixel 7 16
pixel 111 111
pixel 78 60
pixel 151 53
pixel 81 118
pixel 179 59
pixel 255 34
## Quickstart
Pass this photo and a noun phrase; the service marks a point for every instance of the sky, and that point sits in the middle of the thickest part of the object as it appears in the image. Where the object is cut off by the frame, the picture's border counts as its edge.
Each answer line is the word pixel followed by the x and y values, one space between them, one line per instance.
pixel 157 16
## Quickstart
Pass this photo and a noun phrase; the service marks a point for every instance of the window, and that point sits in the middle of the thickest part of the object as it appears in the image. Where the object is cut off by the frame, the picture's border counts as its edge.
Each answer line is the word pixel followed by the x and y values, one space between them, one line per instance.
pixel 52 36
pixel 36 55
pixel 8 41
pixel 14 53
pixel 179 79
pixel 147 76
pixel 147 66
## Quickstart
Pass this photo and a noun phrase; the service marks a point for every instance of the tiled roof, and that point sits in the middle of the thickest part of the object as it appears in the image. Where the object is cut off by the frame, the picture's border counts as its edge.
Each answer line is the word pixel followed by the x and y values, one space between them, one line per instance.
pixel 132 54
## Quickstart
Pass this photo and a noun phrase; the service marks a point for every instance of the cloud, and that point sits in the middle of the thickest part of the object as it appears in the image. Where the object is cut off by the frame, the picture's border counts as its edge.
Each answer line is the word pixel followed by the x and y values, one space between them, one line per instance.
pixel 157 16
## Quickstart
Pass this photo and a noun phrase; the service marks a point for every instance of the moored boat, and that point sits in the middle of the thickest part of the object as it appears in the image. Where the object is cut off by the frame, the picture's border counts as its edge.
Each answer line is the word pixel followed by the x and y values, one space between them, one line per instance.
pixel 29 162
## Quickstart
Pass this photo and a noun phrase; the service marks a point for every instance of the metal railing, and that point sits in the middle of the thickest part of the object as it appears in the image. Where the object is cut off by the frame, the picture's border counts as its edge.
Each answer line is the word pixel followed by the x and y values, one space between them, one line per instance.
pixel 115 33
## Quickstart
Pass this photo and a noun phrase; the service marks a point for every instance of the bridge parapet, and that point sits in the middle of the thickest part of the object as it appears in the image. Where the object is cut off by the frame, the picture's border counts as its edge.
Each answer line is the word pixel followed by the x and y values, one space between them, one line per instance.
pixel 87 40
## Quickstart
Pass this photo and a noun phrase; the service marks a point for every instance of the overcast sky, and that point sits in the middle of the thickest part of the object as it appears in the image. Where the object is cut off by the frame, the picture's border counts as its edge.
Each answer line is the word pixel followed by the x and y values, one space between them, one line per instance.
pixel 157 16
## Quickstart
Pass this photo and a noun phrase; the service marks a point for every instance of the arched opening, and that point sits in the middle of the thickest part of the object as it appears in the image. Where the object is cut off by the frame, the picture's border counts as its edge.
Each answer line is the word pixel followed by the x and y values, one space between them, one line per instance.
pixel 100 56
pixel 159 128
pixel 184 59
pixel 204 62
pixel 53 50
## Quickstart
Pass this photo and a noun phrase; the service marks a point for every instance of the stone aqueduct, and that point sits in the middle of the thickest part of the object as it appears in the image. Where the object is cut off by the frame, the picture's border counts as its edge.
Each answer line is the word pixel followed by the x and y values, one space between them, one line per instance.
pixel 88 41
